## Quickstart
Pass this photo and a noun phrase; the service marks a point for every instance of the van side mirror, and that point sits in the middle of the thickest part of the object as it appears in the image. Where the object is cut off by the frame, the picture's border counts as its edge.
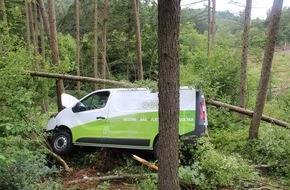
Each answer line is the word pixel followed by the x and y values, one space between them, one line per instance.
pixel 78 108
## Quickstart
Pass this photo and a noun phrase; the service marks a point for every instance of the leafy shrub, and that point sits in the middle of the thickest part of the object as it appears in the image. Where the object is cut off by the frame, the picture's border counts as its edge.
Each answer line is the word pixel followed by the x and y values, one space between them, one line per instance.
pixel 20 167
pixel 210 169
pixel 272 147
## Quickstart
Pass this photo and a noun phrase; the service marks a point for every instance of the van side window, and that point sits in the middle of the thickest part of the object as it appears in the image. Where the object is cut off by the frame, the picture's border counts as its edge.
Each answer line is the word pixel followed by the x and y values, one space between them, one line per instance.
pixel 94 101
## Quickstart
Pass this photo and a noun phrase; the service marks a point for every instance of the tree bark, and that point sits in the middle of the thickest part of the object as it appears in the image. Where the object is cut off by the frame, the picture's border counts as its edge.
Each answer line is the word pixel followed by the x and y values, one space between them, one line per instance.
pixel 45 18
pixel 213 28
pixel 104 41
pixel 31 26
pixel 80 78
pixel 42 41
pixel 244 62
pixel 208 29
pixel 54 49
pixel 96 43
pixel 266 68
pixel 107 178
pixel 249 113
pixel 138 38
pixel 27 26
pixel 168 87
pixel 35 8
pixel 78 42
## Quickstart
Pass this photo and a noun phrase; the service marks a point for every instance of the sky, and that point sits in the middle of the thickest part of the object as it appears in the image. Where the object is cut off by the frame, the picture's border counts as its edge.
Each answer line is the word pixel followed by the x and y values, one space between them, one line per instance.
pixel 259 7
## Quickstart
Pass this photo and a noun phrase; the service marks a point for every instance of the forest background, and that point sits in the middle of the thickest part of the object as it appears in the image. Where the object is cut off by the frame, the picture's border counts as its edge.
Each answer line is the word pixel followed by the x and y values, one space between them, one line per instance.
pixel 226 159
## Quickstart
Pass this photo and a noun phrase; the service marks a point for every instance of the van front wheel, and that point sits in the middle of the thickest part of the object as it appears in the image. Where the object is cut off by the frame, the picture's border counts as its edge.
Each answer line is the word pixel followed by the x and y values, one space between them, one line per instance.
pixel 61 143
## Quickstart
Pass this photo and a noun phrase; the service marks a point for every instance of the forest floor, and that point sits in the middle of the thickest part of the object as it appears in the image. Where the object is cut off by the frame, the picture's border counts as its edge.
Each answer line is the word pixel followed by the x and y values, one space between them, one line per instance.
pixel 97 163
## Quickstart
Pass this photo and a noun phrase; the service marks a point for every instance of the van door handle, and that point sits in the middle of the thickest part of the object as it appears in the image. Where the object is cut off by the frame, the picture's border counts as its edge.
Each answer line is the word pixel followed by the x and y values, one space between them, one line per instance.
pixel 100 117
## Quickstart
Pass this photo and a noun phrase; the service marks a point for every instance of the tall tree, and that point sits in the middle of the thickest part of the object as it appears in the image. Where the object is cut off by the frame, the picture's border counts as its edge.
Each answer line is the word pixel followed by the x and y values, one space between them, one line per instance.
pixel 42 41
pixel 45 18
pixel 138 38
pixel 208 29
pixel 31 26
pixel 78 42
pixel 213 25
pixel 244 62
pixel 168 87
pixel 27 25
pixel 266 68
pixel 35 14
pixel 96 43
pixel 104 40
pixel 54 48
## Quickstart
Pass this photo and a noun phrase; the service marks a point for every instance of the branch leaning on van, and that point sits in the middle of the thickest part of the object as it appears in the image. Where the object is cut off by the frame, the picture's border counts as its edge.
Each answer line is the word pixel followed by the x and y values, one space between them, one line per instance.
pixel 249 113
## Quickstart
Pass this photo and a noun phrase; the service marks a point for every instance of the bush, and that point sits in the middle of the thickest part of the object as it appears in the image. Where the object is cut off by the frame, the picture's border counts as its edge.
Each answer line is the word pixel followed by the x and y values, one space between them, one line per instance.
pixel 20 167
pixel 209 168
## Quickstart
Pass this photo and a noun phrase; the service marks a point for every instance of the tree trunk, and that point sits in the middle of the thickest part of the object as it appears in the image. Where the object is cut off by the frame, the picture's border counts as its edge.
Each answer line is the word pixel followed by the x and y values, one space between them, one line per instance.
pixel 42 41
pixel 266 68
pixel 168 87
pixel 45 18
pixel 104 41
pixel 27 25
pixel 208 29
pixel 138 38
pixel 80 78
pixel 78 42
pixel 213 28
pixel 45 102
pixel 244 62
pixel 31 25
pixel 54 49
pixel 35 27
pixel 4 15
pixel 96 43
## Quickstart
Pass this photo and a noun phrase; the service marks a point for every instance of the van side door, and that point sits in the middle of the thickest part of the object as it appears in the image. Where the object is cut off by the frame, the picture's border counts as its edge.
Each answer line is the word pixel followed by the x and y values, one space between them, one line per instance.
pixel 91 115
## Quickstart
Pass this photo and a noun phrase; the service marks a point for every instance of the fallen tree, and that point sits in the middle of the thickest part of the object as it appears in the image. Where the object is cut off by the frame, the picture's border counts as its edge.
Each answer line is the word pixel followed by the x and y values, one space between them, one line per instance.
pixel 249 113
pixel 80 78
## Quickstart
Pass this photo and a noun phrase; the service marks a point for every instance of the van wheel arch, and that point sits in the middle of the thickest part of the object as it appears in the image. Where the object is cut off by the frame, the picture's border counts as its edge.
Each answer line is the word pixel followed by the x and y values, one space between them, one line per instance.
pixel 61 140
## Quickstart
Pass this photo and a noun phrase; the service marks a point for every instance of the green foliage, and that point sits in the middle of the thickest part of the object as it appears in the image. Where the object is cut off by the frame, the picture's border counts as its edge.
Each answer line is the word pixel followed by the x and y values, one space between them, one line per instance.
pixel 149 182
pixel 216 75
pixel 22 166
pixel 104 186
pixel 281 106
pixel 271 148
pixel 209 168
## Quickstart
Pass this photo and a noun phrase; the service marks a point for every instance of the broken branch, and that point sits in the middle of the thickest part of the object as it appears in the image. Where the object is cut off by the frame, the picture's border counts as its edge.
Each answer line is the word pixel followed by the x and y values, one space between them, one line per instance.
pixel 106 178
pixel 145 162
pixel 249 113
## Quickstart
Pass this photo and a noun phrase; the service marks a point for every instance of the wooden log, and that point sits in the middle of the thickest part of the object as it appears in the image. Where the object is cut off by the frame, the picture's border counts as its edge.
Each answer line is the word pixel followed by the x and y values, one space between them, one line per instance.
pixel 80 78
pixel 145 162
pixel 106 178
pixel 249 113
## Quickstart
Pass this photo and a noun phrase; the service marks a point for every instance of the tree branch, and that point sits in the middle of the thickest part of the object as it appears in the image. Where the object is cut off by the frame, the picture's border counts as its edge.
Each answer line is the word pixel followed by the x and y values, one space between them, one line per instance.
pixel 249 113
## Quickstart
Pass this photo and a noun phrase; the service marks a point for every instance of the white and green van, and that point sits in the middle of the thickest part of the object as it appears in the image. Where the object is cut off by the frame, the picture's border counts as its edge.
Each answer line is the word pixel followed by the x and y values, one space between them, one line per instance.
pixel 121 118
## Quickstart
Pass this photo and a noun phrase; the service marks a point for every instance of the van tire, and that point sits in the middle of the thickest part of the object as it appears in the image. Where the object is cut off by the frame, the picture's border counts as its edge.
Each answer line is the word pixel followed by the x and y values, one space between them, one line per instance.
pixel 61 142
pixel 155 149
